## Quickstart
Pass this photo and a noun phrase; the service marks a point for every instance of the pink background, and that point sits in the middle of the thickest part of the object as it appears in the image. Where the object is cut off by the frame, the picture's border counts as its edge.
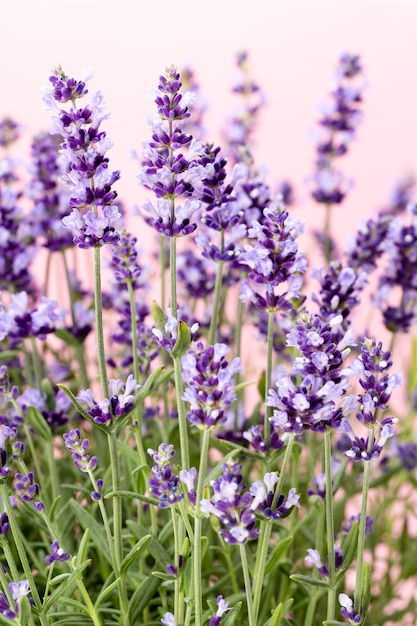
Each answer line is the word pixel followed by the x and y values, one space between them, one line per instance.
pixel 293 46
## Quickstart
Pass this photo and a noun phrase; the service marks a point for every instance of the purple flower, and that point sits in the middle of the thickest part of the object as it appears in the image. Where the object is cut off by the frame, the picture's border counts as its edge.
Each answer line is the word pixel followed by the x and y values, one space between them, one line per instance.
pixel 407 455
pixel 9 132
pixel 231 505
pixel 274 261
pixel 209 380
pixel 163 483
pixel 263 493
pixel 80 452
pixel 7 439
pixel 347 609
pixel 222 607
pixel 368 244
pixel 57 554
pixel 28 490
pixel 170 161
pixel 358 448
pixel 168 339
pixel 169 620
pixel 356 518
pixel 188 479
pixel 314 558
pixel 120 402
pixel 86 168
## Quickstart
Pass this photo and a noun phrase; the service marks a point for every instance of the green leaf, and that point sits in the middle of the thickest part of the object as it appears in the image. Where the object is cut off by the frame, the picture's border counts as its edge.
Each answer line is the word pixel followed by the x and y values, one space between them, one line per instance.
pixel 155 548
pixel 231 616
pixel 277 553
pixel 183 343
pixel 310 581
pixel 68 337
pixel 142 596
pixel 38 423
pixel 163 576
pixel 333 622
pixel 132 495
pixel 279 613
pixel 159 316
pixel 349 548
pixel 54 508
pixel 83 547
pixel 65 587
pixel 107 589
pixel 25 612
pixel 98 535
pixel 135 552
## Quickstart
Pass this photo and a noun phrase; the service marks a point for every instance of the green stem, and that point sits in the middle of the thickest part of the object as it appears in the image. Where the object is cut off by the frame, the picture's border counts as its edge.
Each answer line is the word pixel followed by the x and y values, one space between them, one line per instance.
pixel 246 578
pixel 362 527
pixel 21 552
pixel 134 329
pixel 182 414
pixel 162 259
pixel 173 274
pixel 331 597
pixel 202 470
pixel 117 523
pixel 265 532
pixel 99 325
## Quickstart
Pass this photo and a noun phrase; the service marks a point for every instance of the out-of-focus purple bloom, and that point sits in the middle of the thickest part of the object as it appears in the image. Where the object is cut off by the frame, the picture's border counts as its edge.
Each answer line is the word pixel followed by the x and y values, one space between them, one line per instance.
pixel 368 244
pixel 231 504
pixel 7 438
pixel 314 558
pixel 56 554
pixel 120 402
pixel 407 455
pixel 400 197
pixel 9 132
pixel 163 483
pixel 170 161
pixel 347 609
pixel 86 168
pixel 337 126
pixel 274 261
pixel 50 198
pixel 209 380
pixel 320 486
pixel 195 274
pixel 28 490
pixel 222 607
pixel 169 620
pixel 79 448
pixel 356 518
pixel 188 479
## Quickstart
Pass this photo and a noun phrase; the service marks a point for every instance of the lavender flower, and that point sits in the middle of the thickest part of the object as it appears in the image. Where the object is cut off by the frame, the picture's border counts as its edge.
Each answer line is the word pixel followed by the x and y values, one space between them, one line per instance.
pixel 273 261
pixel 7 438
pixel 222 607
pixel 168 339
pixel 56 554
pixel 28 490
pixel 231 505
pixel 167 171
pixel 163 483
pixel 347 609
pixel 169 620
pixel 188 479
pixel 368 244
pixel 314 558
pixel 263 493
pixel 209 384
pixel 109 409
pixel 337 126
pixel 79 448
pixel 9 132
pixel 359 448
pixel 84 149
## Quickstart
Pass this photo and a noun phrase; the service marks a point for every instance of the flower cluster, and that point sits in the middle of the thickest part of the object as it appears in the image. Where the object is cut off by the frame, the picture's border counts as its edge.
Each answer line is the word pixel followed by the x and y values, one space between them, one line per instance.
pixel 85 165
pixel 232 505
pixel 163 483
pixel 170 160
pixel 28 490
pixel 121 401
pixel 266 501
pixel 209 384
pixel 273 260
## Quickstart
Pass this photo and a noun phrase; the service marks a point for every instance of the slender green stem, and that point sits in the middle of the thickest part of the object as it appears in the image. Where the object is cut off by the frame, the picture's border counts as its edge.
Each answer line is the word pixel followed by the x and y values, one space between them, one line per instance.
pixel 198 592
pixel 182 414
pixel 134 329
pixel 21 551
pixel 162 260
pixel 173 274
pixel 266 530
pixel 216 302
pixel 99 325
pixel 246 578
pixel 331 598
pixel 362 527
pixel 117 522
pixel 4 544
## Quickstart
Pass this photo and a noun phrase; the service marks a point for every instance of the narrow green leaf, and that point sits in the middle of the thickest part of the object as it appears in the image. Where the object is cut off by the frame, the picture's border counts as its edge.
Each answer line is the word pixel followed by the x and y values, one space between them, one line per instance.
pixel 349 548
pixel 277 553
pixel 25 612
pixel 182 345
pixel 333 622
pixel 68 337
pixel 310 581
pixel 141 597
pixel 231 616
pixel 107 589
pixel 135 552
pixel 75 604
pixel 38 423
pixel 159 316
pixel 83 547
pixel 279 614
pixel 155 548
pixel 54 508
pixel 132 495
pixel 65 587
pixel 98 535
pixel 163 576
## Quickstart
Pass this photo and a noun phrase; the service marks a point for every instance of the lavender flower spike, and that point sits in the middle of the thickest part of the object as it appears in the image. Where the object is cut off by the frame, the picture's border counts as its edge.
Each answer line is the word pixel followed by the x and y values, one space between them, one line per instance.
pixel 57 554
pixel 163 483
pixel 222 607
